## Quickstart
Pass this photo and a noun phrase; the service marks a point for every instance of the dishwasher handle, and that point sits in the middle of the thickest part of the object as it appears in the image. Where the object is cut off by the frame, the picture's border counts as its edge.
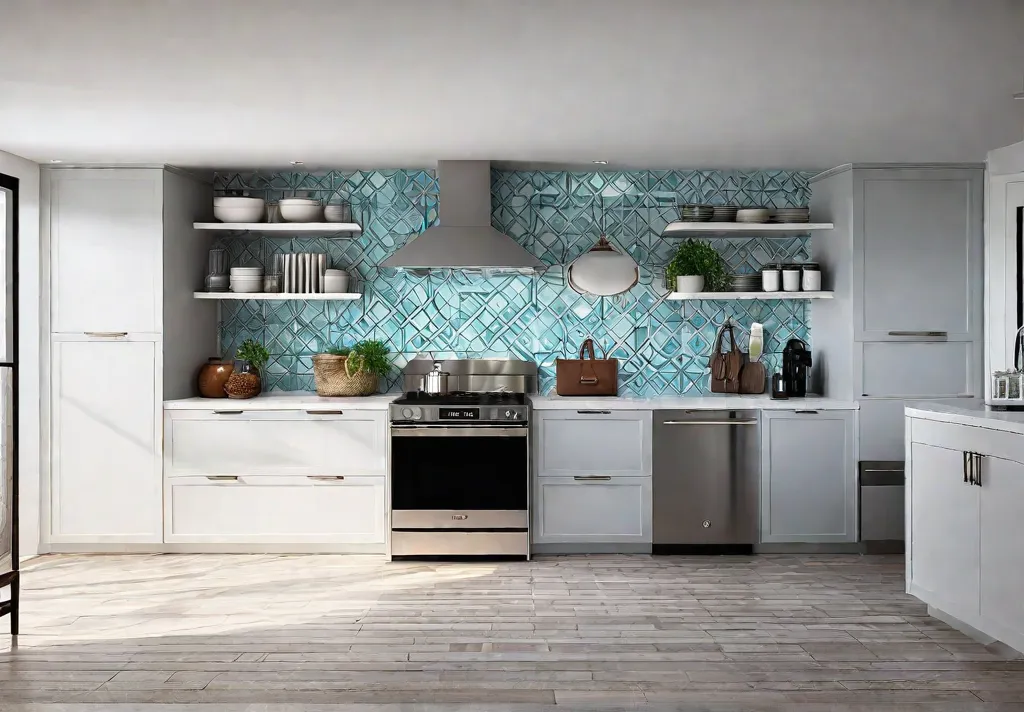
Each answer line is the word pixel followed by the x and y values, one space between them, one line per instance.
pixel 750 421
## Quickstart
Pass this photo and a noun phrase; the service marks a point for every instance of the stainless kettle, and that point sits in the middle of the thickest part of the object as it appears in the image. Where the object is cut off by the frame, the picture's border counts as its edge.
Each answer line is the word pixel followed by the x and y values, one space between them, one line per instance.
pixel 436 382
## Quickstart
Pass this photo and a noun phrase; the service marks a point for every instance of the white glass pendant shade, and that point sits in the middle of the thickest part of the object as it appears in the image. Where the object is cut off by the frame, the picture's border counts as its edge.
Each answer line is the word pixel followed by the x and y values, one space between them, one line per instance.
pixel 603 271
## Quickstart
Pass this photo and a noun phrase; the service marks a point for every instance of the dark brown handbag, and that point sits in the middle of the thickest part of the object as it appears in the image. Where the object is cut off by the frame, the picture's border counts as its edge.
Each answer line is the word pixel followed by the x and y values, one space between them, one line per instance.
pixel 726 365
pixel 587 375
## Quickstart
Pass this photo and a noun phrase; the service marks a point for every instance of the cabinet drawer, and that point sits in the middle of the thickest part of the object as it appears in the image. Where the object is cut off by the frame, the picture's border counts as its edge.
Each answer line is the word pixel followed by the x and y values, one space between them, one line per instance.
pixel 573 509
pixel 600 442
pixel 276 444
pixel 917 369
pixel 255 509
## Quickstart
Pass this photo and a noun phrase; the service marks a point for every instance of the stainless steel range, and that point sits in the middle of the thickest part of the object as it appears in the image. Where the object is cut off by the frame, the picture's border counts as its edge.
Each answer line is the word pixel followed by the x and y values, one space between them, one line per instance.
pixel 460 460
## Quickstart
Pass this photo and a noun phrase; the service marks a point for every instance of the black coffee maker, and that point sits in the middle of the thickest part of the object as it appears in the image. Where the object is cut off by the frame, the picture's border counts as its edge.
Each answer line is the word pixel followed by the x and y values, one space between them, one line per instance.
pixel 796 360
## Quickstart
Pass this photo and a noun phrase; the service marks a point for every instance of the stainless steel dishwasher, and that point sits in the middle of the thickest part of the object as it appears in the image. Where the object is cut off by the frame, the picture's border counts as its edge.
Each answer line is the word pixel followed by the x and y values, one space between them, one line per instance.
pixel 707 466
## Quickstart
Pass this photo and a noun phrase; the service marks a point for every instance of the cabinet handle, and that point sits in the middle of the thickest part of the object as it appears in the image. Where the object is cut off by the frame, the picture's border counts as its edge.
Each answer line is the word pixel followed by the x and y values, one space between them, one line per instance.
pixel 807 412
pixel 222 478
pixel 977 472
pixel 921 334
pixel 591 478
pixel 325 412
pixel 326 478
pixel 594 412
pixel 107 334
pixel 966 455
pixel 228 412
pixel 752 421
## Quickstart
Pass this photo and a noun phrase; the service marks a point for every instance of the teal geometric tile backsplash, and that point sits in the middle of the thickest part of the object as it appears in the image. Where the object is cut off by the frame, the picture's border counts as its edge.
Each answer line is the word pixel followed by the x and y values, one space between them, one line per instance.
pixel 662 346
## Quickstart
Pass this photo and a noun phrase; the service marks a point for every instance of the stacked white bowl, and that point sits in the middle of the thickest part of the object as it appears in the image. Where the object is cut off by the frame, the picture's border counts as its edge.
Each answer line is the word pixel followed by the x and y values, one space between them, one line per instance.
pixel 335 281
pixel 231 209
pixel 247 280
pixel 300 209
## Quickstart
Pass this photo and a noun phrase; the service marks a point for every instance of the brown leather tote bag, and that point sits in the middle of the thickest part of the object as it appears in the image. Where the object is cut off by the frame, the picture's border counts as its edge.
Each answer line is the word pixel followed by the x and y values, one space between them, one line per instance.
pixel 726 365
pixel 587 375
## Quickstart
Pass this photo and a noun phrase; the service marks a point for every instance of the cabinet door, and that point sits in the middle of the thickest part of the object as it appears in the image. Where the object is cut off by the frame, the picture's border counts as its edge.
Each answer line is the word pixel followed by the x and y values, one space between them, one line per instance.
pixel 105 442
pixel 106 236
pixel 880 426
pixel 943 550
pixel 1002 554
pixel 918 253
pixel 808 477
pixel 587 442
pixel 592 509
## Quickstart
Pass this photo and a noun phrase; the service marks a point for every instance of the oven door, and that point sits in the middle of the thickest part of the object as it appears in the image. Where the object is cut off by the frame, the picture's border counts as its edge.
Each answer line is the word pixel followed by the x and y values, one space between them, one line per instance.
pixel 460 477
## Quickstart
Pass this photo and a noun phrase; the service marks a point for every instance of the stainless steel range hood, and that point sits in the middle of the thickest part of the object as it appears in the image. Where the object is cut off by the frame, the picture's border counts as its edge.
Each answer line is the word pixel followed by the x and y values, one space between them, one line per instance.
pixel 464 239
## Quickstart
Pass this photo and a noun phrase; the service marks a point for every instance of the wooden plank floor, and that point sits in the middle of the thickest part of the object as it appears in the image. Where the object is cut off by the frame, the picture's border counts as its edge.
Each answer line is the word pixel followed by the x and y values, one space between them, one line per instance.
pixel 599 632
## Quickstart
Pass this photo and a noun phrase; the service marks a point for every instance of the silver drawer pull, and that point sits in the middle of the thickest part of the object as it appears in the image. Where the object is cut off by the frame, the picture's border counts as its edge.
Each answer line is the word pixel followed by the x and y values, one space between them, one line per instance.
pixel 592 478
pixel 107 334
pixel 594 412
pixel 326 478
pixel 222 478
pixel 228 412
pixel 752 421
pixel 325 412
pixel 806 412
pixel 921 334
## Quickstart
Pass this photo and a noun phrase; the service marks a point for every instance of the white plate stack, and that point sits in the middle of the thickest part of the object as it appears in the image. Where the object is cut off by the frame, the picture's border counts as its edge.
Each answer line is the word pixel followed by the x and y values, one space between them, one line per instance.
pixel 791 215
pixel 246 280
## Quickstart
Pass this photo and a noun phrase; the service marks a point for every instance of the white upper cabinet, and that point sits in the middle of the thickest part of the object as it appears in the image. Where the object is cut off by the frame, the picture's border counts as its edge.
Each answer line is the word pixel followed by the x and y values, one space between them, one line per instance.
pixel 918 254
pixel 106 233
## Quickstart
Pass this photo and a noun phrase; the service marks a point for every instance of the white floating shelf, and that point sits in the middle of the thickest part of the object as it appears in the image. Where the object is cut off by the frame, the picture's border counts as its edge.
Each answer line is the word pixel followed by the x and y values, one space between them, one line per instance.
pixel 768 296
pixel 317 229
pixel 281 296
pixel 726 229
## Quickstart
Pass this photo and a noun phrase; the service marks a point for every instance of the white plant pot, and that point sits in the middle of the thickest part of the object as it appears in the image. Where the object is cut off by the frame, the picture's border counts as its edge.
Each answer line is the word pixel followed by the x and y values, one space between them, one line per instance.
pixel 690 283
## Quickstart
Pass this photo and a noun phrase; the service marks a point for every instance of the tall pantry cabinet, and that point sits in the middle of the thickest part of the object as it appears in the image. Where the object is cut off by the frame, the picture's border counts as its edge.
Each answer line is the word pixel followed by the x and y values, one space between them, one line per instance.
pixel 906 267
pixel 125 333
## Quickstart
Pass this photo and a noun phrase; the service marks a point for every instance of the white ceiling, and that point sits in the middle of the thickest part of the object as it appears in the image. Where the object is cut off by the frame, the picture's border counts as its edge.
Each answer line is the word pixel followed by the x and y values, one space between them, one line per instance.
pixel 373 83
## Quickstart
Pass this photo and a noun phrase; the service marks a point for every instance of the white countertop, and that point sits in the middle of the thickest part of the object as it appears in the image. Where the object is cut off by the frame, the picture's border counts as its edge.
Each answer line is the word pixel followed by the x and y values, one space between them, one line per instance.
pixel 968 411
pixel 720 402
pixel 284 400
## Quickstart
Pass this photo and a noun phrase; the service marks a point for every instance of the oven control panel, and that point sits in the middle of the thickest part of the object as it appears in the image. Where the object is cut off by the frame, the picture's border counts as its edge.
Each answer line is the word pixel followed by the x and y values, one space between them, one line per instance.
pixel 459 414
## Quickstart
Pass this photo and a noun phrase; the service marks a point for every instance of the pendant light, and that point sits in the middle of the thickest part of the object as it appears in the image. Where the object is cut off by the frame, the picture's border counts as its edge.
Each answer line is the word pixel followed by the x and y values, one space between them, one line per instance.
pixel 603 271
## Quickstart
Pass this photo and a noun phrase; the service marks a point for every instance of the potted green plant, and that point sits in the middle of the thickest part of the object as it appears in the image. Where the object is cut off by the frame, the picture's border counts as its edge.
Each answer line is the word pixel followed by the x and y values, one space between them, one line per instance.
pixel 351 371
pixel 247 379
pixel 697 267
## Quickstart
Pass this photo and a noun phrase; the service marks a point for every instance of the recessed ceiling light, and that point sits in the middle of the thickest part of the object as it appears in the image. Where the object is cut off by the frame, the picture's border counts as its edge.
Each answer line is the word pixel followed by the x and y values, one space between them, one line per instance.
pixel 56 160
pixel 600 163
pixel 296 163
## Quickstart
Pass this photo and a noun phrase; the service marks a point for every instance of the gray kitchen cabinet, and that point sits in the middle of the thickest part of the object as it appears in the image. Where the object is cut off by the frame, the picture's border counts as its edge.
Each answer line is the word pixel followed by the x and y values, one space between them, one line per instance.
pixel 592 509
pixel 905 264
pixel 917 248
pixel 808 477
pixel 592 441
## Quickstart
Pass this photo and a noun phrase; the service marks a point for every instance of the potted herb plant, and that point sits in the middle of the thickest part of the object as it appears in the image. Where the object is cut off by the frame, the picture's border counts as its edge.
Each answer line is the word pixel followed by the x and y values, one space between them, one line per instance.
pixel 351 371
pixel 247 379
pixel 697 267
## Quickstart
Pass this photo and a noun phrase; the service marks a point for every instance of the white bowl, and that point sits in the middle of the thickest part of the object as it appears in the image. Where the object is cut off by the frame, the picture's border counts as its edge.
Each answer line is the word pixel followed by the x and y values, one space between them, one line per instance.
pixel 300 210
pixel 246 286
pixel 335 284
pixel 336 213
pixel 752 215
pixel 246 271
pixel 234 209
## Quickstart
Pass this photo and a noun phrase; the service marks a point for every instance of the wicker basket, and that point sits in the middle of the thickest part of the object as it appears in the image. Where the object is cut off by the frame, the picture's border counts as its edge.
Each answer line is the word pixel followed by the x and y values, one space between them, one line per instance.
pixel 333 380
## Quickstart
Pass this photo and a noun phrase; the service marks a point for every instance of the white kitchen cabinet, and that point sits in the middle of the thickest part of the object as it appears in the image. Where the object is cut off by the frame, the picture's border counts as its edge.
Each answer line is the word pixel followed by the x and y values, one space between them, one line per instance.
pixel 592 442
pixel 105 442
pixel 808 477
pixel 324 509
pixel 944 529
pixel 917 242
pixel 233 441
pixel 881 427
pixel 1002 554
pixel 592 509
pixel 106 243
